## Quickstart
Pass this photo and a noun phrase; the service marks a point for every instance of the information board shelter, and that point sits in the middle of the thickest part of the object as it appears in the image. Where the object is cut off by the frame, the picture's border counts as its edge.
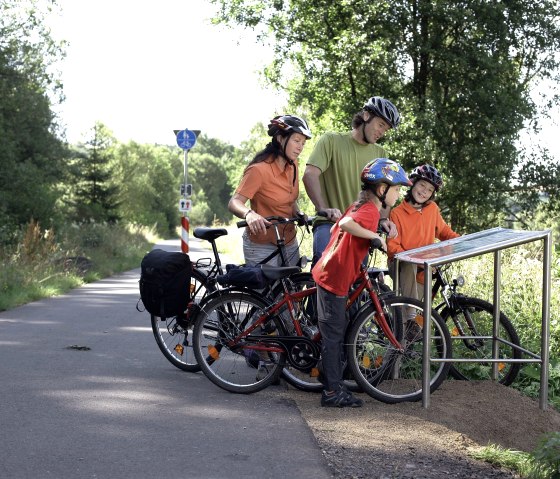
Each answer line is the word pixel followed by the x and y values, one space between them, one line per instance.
pixel 489 241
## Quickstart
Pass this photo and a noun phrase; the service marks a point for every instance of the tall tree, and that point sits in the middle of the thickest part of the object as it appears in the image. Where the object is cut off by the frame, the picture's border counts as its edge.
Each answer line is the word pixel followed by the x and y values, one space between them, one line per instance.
pixel 460 73
pixel 148 177
pixel 210 167
pixel 31 155
pixel 95 191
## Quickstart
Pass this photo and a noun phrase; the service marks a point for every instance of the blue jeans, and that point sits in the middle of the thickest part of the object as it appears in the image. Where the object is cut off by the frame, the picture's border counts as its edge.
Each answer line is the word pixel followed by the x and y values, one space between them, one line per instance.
pixel 331 311
pixel 321 238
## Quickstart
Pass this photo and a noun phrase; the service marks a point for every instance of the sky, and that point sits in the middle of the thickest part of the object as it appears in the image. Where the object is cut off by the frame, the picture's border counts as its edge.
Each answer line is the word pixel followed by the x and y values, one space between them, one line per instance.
pixel 146 68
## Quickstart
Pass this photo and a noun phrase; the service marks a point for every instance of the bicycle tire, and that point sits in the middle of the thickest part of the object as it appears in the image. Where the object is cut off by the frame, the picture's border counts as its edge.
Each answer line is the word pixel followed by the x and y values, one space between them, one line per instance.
pixel 172 334
pixel 482 314
pixel 374 360
pixel 224 318
pixel 308 378
pixel 306 312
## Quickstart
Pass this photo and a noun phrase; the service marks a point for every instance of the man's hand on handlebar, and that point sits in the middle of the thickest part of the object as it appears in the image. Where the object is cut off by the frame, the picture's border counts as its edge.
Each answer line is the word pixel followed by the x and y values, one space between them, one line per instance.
pixel 332 214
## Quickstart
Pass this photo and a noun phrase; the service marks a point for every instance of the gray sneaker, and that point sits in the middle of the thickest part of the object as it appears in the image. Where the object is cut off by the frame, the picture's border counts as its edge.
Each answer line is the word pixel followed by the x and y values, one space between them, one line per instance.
pixel 262 371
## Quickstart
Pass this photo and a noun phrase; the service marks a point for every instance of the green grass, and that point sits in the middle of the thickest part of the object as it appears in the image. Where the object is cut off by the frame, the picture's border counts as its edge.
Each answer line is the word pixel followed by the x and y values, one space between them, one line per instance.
pixel 543 463
pixel 34 268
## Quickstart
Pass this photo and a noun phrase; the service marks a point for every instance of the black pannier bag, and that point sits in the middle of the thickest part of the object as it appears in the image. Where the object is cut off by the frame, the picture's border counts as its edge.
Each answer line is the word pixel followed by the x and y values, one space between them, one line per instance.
pixel 165 280
pixel 248 276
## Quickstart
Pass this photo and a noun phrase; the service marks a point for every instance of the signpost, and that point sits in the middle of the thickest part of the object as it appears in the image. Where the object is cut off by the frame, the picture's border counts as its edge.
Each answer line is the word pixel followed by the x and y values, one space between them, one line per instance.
pixel 186 139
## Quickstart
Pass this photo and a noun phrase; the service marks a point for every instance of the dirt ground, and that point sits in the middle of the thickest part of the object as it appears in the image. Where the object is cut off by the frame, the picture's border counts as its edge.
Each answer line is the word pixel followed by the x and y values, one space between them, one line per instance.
pixel 408 441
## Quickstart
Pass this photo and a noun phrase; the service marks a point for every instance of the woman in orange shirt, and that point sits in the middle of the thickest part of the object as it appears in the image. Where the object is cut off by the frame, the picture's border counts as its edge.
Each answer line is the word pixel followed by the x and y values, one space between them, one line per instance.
pixel 270 183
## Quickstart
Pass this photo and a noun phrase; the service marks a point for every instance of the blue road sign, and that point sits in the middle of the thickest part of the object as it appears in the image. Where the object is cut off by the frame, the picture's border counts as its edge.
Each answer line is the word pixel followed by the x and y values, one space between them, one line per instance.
pixel 186 139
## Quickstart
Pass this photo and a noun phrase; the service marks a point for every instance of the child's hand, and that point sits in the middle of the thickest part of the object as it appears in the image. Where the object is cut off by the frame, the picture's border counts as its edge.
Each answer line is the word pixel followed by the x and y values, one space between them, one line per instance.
pixel 383 244
pixel 378 242
pixel 389 227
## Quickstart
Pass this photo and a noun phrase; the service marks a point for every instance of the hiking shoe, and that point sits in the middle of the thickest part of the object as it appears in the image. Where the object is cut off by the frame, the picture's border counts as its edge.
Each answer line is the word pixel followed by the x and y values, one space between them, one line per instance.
pixel 340 398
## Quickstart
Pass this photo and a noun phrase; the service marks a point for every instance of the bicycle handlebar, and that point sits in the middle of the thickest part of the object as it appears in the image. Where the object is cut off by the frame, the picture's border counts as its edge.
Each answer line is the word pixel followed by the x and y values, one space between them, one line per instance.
pixel 278 220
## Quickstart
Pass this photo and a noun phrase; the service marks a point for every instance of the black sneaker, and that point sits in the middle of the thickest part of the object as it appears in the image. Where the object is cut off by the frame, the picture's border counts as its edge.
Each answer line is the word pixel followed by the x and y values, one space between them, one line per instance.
pixel 341 398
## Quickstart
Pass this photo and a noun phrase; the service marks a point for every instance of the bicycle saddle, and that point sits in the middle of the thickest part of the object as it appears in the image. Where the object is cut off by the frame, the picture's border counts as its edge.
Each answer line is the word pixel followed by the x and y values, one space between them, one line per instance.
pixel 209 234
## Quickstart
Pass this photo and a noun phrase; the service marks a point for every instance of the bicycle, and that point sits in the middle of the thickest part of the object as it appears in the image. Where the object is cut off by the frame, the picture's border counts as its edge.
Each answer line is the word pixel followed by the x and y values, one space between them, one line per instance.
pixel 172 334
pixel 471 321
pixel 388 368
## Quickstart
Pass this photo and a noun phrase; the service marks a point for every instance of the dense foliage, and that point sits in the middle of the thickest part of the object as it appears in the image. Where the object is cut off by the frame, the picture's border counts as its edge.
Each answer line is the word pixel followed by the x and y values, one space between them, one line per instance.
pixel 31 155
pixel 460 72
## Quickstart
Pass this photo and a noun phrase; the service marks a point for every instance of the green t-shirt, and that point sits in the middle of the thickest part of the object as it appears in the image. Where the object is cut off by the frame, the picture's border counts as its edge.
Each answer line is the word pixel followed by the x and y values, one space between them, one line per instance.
pixel 341 160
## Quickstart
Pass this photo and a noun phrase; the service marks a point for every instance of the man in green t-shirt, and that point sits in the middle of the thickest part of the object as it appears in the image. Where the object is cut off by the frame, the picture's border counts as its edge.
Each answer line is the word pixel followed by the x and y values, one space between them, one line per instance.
pixel 332 174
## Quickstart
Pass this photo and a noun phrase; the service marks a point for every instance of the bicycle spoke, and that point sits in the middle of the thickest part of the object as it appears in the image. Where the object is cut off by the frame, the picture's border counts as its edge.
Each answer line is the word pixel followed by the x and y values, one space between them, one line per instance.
pixel 392 375
pixel 232 360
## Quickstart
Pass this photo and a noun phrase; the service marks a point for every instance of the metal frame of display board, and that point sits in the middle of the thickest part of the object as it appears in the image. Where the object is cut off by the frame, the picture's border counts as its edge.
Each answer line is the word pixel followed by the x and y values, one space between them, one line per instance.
pixel 489 241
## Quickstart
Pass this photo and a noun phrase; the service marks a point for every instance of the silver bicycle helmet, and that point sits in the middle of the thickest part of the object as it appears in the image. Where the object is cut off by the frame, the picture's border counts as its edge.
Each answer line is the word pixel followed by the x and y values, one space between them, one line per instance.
pixel 384 109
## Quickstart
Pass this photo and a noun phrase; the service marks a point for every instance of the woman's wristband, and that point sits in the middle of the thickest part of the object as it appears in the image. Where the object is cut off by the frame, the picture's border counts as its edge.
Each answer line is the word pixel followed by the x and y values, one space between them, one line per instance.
pixel 248 211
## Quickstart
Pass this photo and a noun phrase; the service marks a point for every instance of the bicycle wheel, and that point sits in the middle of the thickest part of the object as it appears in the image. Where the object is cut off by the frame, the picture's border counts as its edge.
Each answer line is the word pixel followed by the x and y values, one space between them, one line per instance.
pixel 238 364
pixel 307 376
pixel 174 335
pixel 385 373
pixel 480 314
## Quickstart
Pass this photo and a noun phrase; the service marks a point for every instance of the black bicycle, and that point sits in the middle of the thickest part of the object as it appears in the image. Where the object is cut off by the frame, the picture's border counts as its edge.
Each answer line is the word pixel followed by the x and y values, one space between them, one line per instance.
pixel 174 335
pixel 470 321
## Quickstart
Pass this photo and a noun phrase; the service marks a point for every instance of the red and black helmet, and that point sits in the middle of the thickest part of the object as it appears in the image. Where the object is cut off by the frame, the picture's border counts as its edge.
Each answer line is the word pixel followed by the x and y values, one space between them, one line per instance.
pixel 428 173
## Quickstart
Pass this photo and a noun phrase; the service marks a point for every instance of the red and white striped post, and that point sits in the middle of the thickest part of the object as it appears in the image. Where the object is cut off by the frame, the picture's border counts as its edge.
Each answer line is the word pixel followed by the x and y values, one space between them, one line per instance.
pixel 186 139
pixel 185 234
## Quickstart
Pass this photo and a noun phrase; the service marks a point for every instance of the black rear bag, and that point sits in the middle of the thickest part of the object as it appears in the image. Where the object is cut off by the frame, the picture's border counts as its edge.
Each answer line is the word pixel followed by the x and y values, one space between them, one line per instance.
pixel 165 279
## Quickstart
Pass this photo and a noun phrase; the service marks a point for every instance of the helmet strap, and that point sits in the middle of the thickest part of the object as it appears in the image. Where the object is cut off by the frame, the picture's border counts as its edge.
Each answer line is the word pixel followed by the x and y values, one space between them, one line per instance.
pixel 364 129
pixel 380 197
pixel 283 153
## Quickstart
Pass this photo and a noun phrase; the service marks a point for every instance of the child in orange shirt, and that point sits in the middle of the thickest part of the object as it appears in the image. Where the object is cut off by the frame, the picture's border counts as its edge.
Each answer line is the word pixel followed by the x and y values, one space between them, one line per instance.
pixel 419 222
pixel 339 267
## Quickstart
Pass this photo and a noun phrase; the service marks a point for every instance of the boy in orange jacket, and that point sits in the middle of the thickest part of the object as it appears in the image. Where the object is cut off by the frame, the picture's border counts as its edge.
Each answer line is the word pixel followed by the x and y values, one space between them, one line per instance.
pixel 419 223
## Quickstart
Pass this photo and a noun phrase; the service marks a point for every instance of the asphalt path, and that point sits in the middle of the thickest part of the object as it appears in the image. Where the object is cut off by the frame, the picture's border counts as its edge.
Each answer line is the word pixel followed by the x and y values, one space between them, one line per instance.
pixel 86 393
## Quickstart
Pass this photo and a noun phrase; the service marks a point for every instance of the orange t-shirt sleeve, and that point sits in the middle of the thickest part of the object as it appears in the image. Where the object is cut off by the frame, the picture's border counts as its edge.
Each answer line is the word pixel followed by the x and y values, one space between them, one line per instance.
pixel 250 182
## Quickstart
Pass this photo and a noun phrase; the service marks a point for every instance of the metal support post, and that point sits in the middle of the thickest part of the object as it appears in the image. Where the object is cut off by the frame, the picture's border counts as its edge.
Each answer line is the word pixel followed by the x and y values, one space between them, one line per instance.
pixel 426 359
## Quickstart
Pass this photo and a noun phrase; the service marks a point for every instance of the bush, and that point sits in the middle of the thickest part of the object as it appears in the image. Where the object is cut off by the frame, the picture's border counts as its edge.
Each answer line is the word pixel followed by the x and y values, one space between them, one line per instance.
pixel 521 294
pixel 44 264
pixel 547 457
